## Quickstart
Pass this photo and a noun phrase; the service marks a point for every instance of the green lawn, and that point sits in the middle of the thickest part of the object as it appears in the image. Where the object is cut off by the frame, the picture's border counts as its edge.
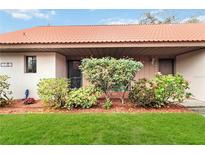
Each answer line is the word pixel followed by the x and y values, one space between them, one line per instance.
pixel 104 128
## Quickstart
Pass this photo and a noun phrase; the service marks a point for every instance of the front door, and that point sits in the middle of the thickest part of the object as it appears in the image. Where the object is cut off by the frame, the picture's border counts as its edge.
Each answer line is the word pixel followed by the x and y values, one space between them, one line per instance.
pixel 74 73
pixel 166 66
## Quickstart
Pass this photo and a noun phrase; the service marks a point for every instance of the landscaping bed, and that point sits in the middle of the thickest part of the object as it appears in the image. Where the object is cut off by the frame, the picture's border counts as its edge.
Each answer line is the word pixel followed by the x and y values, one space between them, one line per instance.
pixel 19 107
pixel 108 78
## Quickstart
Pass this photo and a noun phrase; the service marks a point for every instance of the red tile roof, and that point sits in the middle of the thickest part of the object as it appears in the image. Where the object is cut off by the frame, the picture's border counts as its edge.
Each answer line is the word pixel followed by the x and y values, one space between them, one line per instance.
pixel 107 34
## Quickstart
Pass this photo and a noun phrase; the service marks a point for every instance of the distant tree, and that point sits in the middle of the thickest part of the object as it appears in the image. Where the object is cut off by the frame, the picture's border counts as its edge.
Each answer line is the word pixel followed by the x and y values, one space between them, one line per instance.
pixel 150 18
pixel 169 20
pixel 193 20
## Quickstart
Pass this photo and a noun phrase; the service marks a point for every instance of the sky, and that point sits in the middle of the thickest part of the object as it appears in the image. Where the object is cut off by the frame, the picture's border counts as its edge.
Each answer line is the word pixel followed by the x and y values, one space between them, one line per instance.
pixel 11 20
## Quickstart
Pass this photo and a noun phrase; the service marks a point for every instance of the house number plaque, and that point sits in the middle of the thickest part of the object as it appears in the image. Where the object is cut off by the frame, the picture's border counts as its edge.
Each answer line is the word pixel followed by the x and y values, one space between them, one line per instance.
pixel 6 64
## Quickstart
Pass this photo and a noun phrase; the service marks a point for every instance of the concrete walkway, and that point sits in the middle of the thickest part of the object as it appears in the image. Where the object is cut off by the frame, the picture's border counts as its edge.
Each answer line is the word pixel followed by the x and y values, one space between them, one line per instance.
pixel 195 105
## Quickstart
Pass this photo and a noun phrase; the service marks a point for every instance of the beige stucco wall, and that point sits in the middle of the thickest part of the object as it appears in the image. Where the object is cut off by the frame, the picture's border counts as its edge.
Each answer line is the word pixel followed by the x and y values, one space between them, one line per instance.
pixel 192 67
pixel 48 66
pixel 61 67
pixel 149 69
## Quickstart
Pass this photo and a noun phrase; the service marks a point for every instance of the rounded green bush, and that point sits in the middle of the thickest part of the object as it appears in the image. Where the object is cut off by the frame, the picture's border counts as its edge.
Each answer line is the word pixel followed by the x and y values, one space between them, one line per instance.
pixel 143 93
pixel 53 91
pixel 5 93
pixel 160 91
pixel 82 97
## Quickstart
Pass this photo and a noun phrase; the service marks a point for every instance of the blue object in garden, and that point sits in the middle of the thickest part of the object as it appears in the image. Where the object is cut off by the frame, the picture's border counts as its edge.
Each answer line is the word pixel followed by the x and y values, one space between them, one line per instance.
pixel 26 93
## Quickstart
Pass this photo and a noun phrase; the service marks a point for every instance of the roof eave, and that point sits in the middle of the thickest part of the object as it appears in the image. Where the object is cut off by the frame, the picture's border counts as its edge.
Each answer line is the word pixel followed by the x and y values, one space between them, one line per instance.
pixel 102 45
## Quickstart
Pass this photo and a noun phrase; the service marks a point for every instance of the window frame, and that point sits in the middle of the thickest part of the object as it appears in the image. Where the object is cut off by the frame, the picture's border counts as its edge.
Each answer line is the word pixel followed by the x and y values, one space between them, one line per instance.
pixel 34 70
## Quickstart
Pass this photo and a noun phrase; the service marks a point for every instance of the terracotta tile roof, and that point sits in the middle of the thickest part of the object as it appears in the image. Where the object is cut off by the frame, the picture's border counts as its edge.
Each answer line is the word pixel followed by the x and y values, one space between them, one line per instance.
pixel 107 34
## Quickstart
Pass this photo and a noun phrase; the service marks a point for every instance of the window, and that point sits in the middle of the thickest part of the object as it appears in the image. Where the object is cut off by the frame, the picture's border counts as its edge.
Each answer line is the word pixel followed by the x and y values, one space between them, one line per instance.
pixel 30 64
pixel 74 73
pixel 166 66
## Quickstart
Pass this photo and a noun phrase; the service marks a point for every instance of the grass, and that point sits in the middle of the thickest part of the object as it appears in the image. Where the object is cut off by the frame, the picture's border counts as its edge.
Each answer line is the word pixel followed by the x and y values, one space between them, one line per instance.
pixel 103 128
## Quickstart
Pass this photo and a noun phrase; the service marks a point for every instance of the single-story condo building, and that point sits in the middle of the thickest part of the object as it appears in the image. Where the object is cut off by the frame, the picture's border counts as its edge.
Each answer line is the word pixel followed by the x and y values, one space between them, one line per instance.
pixel 56 51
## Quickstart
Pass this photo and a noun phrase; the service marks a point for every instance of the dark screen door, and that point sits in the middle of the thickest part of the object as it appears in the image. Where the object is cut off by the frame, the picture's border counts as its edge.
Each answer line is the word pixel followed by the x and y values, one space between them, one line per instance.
pixel 74 73
pixel 166 66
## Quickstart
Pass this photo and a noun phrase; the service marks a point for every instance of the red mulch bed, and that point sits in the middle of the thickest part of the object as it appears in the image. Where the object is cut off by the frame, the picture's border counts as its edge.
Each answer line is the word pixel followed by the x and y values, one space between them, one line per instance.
pixel 38 107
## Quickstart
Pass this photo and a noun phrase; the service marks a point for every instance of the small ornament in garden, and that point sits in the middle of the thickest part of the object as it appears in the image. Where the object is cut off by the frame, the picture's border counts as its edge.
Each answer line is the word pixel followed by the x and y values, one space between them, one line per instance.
pixel 26 93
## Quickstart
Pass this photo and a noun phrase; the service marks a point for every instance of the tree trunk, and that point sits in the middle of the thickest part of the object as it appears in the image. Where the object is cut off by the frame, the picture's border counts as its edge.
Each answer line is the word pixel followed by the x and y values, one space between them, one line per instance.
pixel 123 95
pixel 106 96
pixel 122 100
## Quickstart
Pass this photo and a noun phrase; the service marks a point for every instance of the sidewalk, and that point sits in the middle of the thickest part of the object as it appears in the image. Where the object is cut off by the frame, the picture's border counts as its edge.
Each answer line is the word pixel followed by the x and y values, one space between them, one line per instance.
pixel 195 105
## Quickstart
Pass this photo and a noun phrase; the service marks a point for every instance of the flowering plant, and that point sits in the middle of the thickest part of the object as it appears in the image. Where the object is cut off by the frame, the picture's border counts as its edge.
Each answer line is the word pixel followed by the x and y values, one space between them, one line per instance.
pixel 29 101
pixel 160 91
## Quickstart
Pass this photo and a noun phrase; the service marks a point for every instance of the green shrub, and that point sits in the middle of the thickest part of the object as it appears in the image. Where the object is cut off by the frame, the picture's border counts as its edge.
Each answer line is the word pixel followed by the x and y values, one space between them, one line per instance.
pixel 108 73
pixel 53 91
pixel 170 88
pixel 82 97
pixel 108 104
pixel 160 91
pixel 143 93
pixel 4 91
